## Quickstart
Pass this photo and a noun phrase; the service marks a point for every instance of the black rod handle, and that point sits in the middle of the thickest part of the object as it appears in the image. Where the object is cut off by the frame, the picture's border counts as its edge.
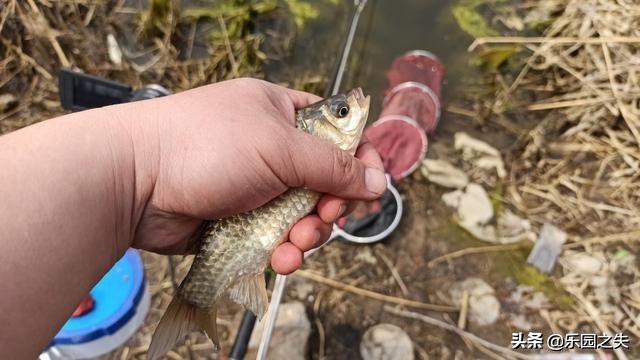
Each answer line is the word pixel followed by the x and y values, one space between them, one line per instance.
pixel 241 342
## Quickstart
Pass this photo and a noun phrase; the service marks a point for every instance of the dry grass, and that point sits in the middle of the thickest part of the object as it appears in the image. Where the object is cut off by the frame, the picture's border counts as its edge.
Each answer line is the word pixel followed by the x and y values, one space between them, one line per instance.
pixel 38 37
pixel 578 167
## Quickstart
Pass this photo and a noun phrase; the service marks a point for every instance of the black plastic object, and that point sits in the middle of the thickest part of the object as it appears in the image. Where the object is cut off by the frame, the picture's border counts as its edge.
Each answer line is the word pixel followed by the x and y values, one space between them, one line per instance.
pixel 241 341
pixel 149 92
pixel 79 91
pixel 374 223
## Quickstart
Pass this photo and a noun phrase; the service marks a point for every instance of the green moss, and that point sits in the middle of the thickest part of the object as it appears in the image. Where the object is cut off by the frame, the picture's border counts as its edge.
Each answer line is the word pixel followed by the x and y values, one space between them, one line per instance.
pixel 496 197
pixel 238 10
pixel 540 26
pixel 510 264
pixel 458 237
pixel 470 20
pixel 515 265
pixel 158 16
pixel 492 58
pixel 302 11
pixel 242 10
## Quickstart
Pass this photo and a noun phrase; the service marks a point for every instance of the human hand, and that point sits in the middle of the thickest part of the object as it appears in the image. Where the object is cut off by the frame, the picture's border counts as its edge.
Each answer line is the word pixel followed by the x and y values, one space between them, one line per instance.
pixel 231 147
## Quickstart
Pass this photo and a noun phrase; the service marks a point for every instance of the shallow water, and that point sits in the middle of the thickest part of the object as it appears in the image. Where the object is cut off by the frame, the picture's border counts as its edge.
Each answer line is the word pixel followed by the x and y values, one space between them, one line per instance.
pixel 387 29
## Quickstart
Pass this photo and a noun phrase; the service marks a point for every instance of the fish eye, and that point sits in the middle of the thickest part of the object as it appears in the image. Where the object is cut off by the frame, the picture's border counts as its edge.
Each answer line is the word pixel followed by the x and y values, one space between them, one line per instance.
pixel 340 109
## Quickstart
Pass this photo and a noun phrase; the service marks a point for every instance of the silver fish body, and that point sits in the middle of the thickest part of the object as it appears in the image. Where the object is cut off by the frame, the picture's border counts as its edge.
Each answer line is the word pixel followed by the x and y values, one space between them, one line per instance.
pixel 224 257
pixel 235 251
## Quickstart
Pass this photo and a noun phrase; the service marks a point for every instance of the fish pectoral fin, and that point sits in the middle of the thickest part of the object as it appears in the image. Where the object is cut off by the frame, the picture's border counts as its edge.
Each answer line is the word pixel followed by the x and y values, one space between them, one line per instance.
pixel 180 319
pixel 251 292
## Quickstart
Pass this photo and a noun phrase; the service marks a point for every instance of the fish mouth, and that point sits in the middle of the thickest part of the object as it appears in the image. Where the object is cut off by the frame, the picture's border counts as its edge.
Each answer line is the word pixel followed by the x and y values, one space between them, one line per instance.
pixel 357 94
pixel 361 99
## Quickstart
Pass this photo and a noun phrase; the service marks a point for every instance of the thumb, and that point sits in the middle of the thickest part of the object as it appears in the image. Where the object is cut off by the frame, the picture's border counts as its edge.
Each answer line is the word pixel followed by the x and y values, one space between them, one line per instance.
pixel 321 166
pixel 301 99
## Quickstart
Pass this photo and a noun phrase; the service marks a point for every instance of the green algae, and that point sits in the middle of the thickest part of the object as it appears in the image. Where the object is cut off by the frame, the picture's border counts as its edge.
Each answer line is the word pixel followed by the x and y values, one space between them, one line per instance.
pixel 302 11
pixel 515 265
pixel 469 18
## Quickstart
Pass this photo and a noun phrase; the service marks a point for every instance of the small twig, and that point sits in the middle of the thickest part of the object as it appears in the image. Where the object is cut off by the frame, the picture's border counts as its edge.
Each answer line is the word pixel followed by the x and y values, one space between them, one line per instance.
pixel 373 295
pixel 227 44
pixel 394 273
pixel 552 41
pixel 626 115
pixel 464 307
pixel 474 250
pixel 472 337
pixel 632 235
pixel 594 314
pixel 29 60
pixel 124 353
pixel 9 9
pixel 58 50
pixel 454 109
pixel 318 323
pixel 174 355
pixel 567 103
pixel 191 40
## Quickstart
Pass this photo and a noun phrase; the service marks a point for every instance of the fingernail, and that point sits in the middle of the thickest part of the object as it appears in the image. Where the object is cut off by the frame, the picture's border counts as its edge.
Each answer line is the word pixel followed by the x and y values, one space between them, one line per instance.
pixel 316 238
pixel 375 181
pixel 341 211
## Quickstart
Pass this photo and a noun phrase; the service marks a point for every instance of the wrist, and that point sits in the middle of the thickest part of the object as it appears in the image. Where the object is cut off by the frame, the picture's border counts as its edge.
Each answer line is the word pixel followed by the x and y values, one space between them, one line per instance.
pixel 135 145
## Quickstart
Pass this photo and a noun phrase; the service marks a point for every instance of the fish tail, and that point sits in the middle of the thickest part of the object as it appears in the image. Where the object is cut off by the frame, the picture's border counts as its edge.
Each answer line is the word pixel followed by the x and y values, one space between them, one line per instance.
pixel 180 319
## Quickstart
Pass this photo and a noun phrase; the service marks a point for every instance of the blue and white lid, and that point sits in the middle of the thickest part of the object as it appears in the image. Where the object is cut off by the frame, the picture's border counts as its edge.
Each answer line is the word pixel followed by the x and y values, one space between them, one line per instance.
pixel 120 304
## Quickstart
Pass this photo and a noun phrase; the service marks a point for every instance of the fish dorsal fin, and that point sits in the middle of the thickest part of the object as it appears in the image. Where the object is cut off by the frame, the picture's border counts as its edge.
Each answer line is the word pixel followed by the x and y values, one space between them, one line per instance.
pixel 251 292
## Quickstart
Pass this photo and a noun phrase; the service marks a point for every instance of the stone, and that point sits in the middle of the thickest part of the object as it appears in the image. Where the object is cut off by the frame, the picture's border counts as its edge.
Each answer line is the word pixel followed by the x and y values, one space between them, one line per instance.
pixel 484 307
pixel 479 153
pixel 513 229
pixel 113 50
pixel 7 102
pixel 290 334
pixel 475 212
pixel 386 342
pixel 583 263
pixel 475 206
pixel 444 174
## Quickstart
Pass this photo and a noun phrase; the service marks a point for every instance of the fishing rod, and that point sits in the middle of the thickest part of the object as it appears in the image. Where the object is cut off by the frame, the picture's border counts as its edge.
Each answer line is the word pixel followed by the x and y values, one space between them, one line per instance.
pixel 280 282
pixel 336 82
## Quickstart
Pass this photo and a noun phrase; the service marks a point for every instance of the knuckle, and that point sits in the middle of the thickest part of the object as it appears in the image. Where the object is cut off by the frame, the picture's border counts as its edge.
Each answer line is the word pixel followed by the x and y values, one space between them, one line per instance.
pixel 284 160
pixel 343 167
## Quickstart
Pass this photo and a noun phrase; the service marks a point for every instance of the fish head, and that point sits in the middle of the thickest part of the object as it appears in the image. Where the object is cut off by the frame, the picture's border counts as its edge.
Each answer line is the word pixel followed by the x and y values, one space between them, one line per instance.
pixel 339 119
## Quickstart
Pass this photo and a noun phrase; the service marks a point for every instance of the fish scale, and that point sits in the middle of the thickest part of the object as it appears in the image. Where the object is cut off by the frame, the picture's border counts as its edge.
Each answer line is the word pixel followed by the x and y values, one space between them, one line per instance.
pixel 230 240
pixel 235 251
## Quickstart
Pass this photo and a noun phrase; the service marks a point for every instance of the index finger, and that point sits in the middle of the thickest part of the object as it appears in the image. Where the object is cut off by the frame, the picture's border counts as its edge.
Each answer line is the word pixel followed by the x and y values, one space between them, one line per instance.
pixel 368 154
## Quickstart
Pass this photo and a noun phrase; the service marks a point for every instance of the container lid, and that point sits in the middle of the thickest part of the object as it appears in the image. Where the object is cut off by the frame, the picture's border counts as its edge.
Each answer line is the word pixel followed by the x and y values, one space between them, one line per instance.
pixel 419 66
pixel 116 297
pixel 424 108
pixel 401 142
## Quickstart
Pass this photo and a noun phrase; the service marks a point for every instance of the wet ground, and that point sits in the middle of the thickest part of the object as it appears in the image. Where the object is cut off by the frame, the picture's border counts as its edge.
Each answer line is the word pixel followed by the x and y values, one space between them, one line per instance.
pixel 388 29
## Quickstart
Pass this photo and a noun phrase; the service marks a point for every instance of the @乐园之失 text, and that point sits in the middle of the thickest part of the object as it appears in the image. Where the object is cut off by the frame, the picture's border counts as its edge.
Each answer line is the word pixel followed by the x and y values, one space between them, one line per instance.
pixel 557 342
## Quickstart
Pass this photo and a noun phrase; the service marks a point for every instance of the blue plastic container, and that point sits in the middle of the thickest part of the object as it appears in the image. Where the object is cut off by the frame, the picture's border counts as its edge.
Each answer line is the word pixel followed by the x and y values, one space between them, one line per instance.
pixel 121 302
